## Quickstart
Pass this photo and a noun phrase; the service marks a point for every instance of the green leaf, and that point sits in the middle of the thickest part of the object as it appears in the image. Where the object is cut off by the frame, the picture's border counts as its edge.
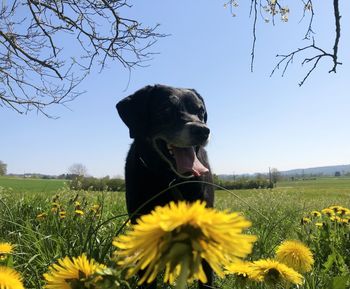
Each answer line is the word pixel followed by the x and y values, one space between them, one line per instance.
pixel 340 282
pixel 330 261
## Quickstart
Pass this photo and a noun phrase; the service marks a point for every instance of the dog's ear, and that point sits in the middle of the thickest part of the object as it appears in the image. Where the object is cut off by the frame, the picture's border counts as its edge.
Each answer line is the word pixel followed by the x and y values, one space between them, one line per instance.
pixel 133 110
pixel 202 99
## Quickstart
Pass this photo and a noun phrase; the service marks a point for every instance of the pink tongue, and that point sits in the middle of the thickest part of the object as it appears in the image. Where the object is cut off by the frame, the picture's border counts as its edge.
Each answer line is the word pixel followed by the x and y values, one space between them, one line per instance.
pixel 187 161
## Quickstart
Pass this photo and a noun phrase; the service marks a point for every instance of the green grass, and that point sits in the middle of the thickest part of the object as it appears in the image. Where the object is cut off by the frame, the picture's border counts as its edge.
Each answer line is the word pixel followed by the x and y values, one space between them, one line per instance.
pixel 275 215
pixel 321 184
pixel 31 185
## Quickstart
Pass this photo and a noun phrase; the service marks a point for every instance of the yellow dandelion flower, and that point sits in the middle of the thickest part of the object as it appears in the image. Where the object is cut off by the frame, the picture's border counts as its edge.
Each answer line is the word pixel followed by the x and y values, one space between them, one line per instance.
pixel 242 269
pixel 295 255
pixel 335 219
pixel 95 208
pixel 329 212
pixel 41 216
pixel 273 272
pixel 62 214
pixel 339 210
pixel 305 220
pixel 55 205
pixel 10 279
pixel 5 250
pixel 70 270
pixel 316 214
pixel 79 212
pixel 320 224
pixel 171 234
pixel 345 221
pixel 54 210
pixel 343 211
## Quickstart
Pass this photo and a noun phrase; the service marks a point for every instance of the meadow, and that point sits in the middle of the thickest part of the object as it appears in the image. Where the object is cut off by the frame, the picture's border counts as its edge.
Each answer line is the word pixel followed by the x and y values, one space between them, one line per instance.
pixel 46 221
pixel 31 185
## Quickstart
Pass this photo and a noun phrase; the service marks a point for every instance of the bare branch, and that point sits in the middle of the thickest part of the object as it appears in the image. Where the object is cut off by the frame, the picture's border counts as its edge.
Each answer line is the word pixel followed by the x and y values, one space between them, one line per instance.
pixel 337 35
pixel 308 6
pixel 321 53
pixel 253 7
pixel 269 9
pixel 45 54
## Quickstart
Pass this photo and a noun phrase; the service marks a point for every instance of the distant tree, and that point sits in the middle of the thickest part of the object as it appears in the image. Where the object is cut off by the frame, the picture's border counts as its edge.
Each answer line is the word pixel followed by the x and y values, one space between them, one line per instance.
pixel 268 11
pixel 77 169
pixel 275 175
pixel 48 47
pixel 337 174
pixel 3 168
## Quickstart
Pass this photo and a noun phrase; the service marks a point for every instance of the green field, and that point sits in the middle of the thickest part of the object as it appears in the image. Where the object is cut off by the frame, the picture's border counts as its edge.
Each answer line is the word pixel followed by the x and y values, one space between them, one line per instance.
pixel 31 185
pixel 275 214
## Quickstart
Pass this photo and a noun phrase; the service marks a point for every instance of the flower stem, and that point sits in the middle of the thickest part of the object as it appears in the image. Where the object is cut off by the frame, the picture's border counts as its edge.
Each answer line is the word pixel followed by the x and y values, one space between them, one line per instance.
pixel 182 279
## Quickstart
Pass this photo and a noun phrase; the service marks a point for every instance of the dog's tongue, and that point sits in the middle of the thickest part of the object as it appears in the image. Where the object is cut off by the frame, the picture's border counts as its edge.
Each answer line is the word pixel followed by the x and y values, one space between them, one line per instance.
pixel 187 161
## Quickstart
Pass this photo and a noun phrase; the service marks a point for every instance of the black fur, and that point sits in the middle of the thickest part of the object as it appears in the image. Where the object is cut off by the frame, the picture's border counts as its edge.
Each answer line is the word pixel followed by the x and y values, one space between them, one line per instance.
pixel 159 116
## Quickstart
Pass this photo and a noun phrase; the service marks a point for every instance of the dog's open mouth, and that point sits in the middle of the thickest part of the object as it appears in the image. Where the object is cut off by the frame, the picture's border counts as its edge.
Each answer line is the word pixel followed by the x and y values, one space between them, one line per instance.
pixel 183 160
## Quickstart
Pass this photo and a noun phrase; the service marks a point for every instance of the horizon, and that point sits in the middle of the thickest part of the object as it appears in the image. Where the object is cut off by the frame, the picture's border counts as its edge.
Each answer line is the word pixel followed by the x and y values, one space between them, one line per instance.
pixel 220 174
pixel 256 121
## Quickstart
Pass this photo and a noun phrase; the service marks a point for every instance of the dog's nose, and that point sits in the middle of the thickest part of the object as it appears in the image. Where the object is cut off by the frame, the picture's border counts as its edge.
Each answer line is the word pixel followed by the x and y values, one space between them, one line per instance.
pixel 200 131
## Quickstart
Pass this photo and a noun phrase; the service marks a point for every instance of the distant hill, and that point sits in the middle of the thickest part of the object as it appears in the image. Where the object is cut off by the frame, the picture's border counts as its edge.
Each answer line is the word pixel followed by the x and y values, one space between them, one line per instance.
pixel 327 170
pixel 316 171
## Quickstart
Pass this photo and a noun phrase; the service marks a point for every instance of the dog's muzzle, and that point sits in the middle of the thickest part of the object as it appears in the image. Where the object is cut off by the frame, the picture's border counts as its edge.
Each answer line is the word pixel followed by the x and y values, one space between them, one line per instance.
pixel 181 152
pixel 200 132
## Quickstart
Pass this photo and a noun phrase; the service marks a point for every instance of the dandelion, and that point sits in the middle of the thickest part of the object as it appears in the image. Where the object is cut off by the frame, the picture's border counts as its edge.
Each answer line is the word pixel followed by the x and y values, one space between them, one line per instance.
pixel 242 269
pixel 95 208
pixel 275 273
pixel 5 250
pixel 71 271
pixel 316 214
pixel 345 211
pixel 345 221
pixel 305 220
pixel 295 255
pixel 320 224
pixel 327 211
pixel 10 279
pixel 62 214
pixel 339 209
pixel 336 219
pixel 55 205
pixel 79 212
pixel 41 216
pixel 177 237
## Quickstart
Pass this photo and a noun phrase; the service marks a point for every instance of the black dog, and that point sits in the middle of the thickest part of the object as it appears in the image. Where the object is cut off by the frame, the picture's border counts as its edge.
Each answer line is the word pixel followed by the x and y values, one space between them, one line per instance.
pixel 169 129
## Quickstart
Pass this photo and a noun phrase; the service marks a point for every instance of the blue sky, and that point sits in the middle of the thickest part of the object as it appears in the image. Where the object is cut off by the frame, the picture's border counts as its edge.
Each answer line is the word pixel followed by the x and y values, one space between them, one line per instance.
pixel 257 121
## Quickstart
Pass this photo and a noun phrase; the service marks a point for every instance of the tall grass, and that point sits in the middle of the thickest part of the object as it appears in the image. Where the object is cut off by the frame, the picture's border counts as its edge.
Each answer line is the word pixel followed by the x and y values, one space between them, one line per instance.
pixel 34 225
pixel 275 214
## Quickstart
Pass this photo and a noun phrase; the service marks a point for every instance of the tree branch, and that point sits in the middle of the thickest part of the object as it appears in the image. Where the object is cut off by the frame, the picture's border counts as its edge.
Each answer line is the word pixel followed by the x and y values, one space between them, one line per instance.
pixel 36 67
pixel 337 35
pixel 269 10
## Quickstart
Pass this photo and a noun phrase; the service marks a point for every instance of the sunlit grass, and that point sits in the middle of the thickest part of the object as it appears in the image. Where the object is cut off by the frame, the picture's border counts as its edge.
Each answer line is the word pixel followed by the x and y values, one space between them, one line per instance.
pixel 275 214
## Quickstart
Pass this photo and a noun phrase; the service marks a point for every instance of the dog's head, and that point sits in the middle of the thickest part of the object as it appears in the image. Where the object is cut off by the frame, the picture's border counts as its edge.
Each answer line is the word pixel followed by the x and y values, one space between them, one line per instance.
pixel 174 120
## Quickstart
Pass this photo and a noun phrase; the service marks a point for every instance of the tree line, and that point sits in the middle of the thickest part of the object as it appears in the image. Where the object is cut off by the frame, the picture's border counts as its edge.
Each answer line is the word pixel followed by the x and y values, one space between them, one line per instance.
pixel 118 184
pixel 97 184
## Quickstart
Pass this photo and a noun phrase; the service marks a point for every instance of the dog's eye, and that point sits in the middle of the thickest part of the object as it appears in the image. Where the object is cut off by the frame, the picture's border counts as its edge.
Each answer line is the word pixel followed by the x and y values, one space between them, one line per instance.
pixel 201 113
